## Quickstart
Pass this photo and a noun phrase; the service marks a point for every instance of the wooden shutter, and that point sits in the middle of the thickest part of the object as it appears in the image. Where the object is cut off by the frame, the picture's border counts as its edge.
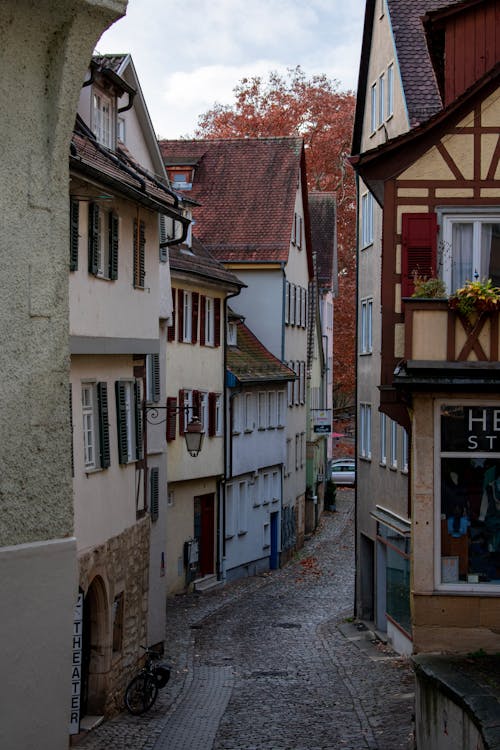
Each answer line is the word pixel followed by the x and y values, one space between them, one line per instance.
pixel 103 411
pixel 139 422
pixel 113 246
pixel 154 492
pixel 217 321
pixel 121 421
pixel 212 407
pixel 74 216
pixel 71 429
pixel 139 252
pixel 287 301
pixel 419 242
pixel 203 315
pixel 171 328
pixel 163 238
pixel 195 300
pixel 93 238
pixel 155 377
pixel 180 315
pixel 182 413
pixel 171 418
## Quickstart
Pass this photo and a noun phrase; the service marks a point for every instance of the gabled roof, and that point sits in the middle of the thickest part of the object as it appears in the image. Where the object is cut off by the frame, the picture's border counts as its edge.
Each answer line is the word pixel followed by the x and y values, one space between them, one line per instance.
pixel 197 262
pixel 420 86
pixel 119 171
pixel 323 216
pixel 247 189
pixel 250 361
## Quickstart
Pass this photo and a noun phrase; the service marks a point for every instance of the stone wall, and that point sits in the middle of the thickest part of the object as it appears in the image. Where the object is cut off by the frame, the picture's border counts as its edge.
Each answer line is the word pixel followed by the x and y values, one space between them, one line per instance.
pixel 122 564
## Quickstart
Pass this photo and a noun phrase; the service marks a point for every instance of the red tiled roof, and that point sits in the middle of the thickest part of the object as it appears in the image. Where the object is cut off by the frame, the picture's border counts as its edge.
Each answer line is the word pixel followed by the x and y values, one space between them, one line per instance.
pixel 118 169
pixel 247 189
pixel 251 362
pixel 322 212
pixel 198 262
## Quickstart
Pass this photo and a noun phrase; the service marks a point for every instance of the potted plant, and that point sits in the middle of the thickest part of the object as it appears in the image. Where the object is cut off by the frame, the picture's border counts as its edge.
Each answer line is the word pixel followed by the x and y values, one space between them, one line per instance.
pixel 475 297
pixel 428 287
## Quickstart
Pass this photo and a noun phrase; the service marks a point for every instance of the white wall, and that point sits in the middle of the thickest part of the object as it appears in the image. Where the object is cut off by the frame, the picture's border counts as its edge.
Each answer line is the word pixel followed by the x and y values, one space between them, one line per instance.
pixel 262 305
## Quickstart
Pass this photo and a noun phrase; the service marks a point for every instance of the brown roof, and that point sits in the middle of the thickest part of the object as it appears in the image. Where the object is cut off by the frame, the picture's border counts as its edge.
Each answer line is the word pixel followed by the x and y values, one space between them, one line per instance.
pixel 197 261
pixel 247 189
pixel 420 86
pixel 250 361
pixel 322 212
pixel 118 169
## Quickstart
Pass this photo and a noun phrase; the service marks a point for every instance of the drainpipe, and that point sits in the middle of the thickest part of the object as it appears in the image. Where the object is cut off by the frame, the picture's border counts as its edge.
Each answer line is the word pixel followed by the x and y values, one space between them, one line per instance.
pixel 283 304
pixel 356 550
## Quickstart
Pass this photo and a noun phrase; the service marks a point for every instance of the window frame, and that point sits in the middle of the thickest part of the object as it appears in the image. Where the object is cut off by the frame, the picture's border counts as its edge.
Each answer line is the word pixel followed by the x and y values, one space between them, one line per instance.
pixel 383 439
pixel 373 108
pixel 102 119
pixel 448 216
pixel 365 422
pixel 366 323
pixel 393 444
pixel 366 219
pixel 209 321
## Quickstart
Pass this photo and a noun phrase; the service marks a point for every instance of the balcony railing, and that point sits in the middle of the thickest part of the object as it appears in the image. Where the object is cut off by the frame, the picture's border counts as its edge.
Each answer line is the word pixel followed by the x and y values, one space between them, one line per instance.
pixel 434 333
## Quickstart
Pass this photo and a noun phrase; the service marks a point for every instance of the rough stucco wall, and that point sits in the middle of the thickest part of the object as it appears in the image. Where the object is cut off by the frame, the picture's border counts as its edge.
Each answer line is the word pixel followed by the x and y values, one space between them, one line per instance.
pixel 44 51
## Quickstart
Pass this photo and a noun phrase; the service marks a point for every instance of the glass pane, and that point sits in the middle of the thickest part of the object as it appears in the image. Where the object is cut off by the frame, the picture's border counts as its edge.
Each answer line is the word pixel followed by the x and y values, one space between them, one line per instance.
pixel 398 588
pixel 490 252
pixel 462 244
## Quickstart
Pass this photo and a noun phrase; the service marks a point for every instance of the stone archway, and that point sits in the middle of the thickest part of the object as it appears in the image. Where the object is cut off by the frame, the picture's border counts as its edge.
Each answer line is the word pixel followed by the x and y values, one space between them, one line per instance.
pixel 96 651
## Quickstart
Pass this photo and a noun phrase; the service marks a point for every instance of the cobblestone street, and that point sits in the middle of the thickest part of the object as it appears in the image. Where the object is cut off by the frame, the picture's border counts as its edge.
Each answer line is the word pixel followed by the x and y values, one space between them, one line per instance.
pixel 276 663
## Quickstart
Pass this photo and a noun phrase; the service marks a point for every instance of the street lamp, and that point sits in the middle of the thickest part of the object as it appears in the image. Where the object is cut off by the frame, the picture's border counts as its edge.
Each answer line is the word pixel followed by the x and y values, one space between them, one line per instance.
pixel 193 432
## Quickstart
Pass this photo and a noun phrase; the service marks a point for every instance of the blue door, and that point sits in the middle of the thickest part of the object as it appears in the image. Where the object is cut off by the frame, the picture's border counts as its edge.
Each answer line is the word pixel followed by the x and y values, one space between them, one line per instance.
pixel 274 559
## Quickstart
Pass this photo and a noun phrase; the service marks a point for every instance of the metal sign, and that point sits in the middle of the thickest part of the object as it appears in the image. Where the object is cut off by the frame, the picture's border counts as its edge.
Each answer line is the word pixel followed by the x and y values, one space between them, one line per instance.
pixel 76 666
pixel 322 421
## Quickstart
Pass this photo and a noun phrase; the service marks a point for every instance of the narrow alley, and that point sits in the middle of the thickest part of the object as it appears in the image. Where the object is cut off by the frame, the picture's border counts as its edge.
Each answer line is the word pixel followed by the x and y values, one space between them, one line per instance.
pixel 276 662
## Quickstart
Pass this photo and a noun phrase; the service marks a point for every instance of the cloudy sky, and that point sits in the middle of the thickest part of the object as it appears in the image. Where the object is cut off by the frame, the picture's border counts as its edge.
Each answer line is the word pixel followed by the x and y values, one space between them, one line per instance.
pixel 191 54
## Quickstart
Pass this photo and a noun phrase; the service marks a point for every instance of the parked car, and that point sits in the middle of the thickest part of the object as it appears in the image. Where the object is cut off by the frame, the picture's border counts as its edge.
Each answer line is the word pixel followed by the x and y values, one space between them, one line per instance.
pixel 343 471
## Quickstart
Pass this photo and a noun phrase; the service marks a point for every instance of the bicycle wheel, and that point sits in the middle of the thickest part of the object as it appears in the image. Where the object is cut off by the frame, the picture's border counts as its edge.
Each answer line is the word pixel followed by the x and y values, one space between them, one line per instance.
pixel 140 694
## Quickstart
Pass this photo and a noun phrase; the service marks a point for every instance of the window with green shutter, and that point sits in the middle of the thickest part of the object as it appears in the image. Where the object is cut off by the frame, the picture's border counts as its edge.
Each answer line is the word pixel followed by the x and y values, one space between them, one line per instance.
pixel 102 402
pixel 139 253
pixel 154 492
pixel 74 227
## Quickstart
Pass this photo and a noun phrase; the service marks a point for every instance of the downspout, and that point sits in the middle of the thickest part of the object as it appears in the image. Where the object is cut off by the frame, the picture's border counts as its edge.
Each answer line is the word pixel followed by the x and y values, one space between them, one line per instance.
pixel 283 305
pixel 131 97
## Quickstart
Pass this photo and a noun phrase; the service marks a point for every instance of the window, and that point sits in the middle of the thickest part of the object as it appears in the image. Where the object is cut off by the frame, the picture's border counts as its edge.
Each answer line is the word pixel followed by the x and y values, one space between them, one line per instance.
pixel 393 445
pixel 120 129
pixel 230 511
pixel 271 409
pixel 186 400
pixel 290 386
pixel 209 321
pixel 383 439
pixel 390 92
pixel 280 409
pixel 365 426
pixel 276 487
pixel 129 420
pixel 293 291
pixel 288 467
pixel 232 334
pixel 242 509
pixel 297 452
pixel 103 242
pixel 405 453
pixel 296 384
pixel 366 219
pixel 266 488
pixel 468 515
pixel 236 414
pixel 153 377
pixel 287 302
pixel 397 568
pixel 471 248
pixel 218 414
pixel 366 326
pixel 203 415
pixel 302 449
pixel 101 120
pixel 381 99
pixel 187 307
pixel 373 108
pixel 95 415
pixel 248 412
pixel 262 411
pixel 139 240
pixel 302 382
pixel 74 233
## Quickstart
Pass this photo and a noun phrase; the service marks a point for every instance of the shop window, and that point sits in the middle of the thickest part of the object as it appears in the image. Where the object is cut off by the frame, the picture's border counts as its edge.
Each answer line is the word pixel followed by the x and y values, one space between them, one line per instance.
pixel 469 474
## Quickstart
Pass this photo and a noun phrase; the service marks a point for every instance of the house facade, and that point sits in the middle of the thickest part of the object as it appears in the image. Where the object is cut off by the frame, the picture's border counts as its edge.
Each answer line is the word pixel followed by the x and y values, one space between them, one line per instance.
pixel 196 388
pixel 116 302
pixel 256 452
pixel 436 183
pixel 253 217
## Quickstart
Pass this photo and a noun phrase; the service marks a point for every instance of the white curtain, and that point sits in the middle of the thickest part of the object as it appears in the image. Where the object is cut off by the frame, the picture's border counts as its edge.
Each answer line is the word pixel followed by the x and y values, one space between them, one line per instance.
pixel 462 243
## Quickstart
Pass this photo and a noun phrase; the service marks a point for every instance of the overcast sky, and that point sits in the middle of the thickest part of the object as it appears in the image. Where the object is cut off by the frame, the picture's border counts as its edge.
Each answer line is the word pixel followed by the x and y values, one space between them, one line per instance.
pixel 188 55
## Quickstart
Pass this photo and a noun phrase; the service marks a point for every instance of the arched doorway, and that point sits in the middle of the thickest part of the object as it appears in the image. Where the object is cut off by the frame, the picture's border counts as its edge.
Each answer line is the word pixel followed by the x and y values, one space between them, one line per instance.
pixel 95 649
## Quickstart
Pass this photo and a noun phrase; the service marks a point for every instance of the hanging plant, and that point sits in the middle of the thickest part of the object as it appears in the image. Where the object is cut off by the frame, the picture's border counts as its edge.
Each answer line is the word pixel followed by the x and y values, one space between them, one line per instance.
pixel 475 297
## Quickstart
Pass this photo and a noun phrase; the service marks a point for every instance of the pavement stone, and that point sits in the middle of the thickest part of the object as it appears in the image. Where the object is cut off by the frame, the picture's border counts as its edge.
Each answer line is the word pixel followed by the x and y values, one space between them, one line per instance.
pixel 276 662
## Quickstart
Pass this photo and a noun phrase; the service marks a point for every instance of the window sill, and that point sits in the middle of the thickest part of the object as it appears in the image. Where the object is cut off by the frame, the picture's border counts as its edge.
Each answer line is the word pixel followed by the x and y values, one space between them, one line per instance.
pixel 383 464
pixel 229 536
pixel 271 427
pixel 266 546
pixel 393 468
pixel 236 432
pixel 366 354
pixel 247 432
pixel 280 427
pixel 95 470
pixel 242 533
pixel 265 502
pixel 261 429
pixel 368 459
pixel 368 245
pixel 275 500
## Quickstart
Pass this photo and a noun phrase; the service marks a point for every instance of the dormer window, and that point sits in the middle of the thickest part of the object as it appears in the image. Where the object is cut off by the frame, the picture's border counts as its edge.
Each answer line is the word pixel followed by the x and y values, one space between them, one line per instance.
pixel 232 334
pixel 181 179
pixel 102 119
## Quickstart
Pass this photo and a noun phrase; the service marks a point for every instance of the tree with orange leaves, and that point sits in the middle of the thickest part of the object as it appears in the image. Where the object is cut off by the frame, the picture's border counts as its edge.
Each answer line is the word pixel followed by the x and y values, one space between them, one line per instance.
pixel 316 110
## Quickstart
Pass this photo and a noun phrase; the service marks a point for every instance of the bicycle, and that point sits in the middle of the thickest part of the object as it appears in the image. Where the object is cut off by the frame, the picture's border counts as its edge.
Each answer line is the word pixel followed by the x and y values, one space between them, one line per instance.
pixel 142 690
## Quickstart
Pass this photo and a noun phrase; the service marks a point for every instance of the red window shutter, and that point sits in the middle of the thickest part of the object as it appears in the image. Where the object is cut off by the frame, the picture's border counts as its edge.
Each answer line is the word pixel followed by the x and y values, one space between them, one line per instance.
pixel 217 321
pixel 171 418
pixel 194 317
pixel 202 319
pixel 171 328
pixel 212 402
pixel 419 241
pixel 182 413
pixel 180 315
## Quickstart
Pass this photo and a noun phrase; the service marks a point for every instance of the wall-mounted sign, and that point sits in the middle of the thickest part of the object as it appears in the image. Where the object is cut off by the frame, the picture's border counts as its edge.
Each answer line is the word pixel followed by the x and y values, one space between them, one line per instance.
pixel 322 421
pixel 76 666
pixel 470 428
